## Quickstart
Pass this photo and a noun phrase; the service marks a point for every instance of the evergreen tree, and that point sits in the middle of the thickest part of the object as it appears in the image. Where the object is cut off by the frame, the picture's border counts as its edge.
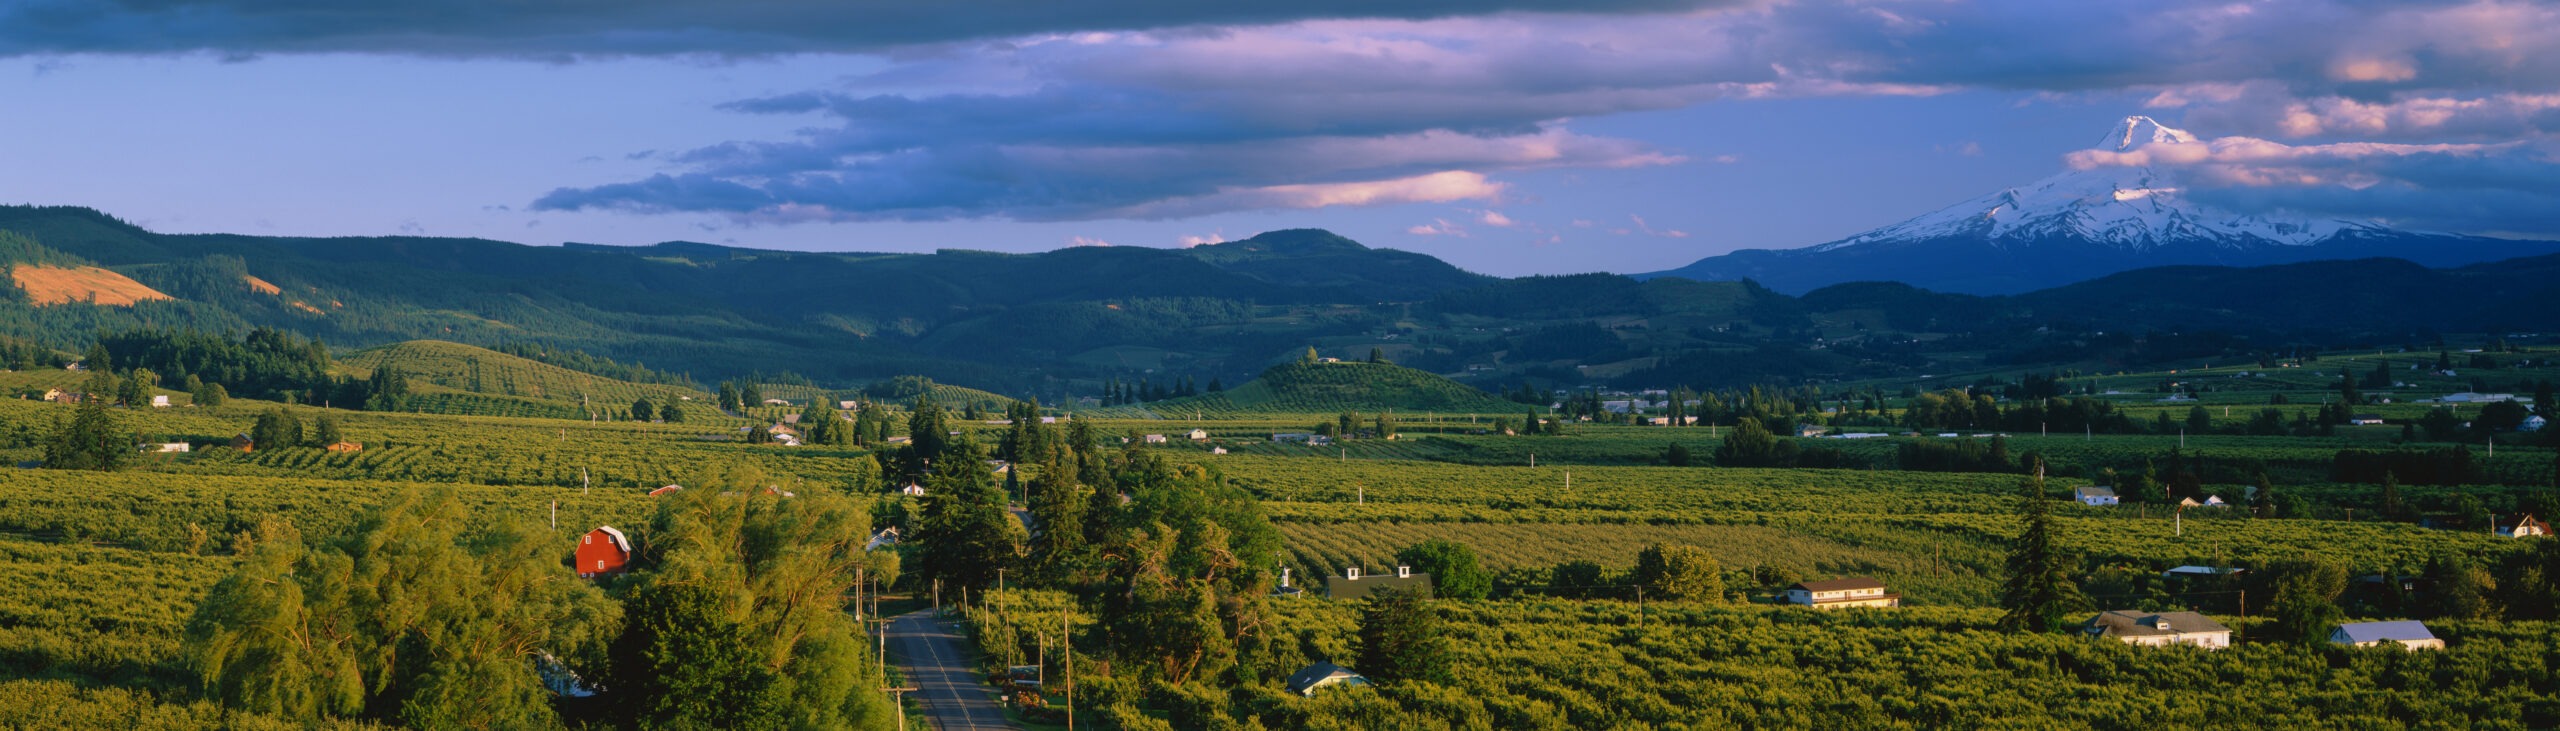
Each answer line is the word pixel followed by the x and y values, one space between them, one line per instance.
pixel 1400 640
pixel 1308 358
pixel 2392 509
pixel 642 410
pixel 1386 425
pixel 387 389
pixel 729 397
pixel 966 532
pixel 673 413
pixel 1215 385
pixel 134 389
pixel 685 661
pixel 2039 592
pixel 2457 588
pixel 90 441
pixel 1058 504
pixel 1377 355
pixel 1455 571
pixel 1675 455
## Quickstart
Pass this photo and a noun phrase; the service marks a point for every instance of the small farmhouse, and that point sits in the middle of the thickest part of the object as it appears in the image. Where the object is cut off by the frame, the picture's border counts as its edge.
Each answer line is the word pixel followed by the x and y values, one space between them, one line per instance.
pixel 776 402
pixel 2365 419
pixel 912 490
pixel 1300 437
pixel 1154 438
pixel 172 447
pixel 346 447
pixel 1855 591
pixel 2134 627
pixel 1199 435
pixel 2533 423
pixel 1322 675
pixel 159 402
pixel 1355 584
pixel 665 491
pixel 2094 496
pixel 1809 430
pixel 886 537
pixel 2408 634
pixel 2524 527
pixel 2197 572
pixel 602 551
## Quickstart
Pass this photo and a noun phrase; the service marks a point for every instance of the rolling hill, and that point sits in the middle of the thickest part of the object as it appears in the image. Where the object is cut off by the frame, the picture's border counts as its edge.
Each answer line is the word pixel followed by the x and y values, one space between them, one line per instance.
pixel 1324 388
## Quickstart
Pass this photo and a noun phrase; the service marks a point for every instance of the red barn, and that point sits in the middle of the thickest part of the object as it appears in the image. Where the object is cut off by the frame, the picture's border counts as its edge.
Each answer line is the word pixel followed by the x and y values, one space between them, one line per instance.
pixel 602 551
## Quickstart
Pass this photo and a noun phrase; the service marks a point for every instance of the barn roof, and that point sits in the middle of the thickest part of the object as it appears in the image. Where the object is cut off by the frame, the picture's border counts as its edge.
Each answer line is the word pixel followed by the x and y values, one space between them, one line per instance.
pixel 618 540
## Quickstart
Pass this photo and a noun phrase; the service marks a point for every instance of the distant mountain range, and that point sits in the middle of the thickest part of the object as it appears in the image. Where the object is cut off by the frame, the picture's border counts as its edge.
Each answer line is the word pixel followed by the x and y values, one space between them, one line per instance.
pixel 1066 323
pixel 2083 224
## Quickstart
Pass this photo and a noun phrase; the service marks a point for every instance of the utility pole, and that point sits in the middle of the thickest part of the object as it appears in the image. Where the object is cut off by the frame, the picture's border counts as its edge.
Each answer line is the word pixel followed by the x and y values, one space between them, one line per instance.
pixel 901 701
pixel 937 596
pixel 1067 644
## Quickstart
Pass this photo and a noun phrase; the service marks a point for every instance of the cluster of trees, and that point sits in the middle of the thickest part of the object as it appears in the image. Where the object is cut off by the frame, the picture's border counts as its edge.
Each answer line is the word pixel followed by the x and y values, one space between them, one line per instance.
pixel 1116 392
pixel 425 615
pixel 646 409
pixel 1752 445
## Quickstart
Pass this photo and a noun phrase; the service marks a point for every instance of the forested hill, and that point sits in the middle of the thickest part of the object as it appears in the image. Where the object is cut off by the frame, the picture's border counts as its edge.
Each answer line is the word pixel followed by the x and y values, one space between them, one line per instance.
pixel 1070 323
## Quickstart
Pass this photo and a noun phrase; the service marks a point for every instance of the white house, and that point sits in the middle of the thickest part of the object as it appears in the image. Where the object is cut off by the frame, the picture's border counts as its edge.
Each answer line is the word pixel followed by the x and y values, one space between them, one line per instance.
pixel 2365 419
pixel 2094 496
pixel 912 490
pixel 2533 423
pixel 1199 435
pixel 848 405
pixel 172 447
pixel 2134 627
pixel 2408 634
pixel 159 402
pixel 1154 438
pixel 1855 591
pixel 2524 527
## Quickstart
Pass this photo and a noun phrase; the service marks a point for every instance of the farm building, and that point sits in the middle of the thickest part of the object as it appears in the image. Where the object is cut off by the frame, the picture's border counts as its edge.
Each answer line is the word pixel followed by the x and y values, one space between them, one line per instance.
pixel 2533 423
pixel 2135 627
pixel 1199 435
pixel 2525 527
pixel 602 551
pixel 2197 572
pixel 1154 438
pixel 2409 634
pixel 777 402
pixel 159 402
pixel 1855 591
pixel 912 490
pixel 1322 675
pixel 665 491
pixel 1809 430
pixel 2365 419
pixel 2094 496
pixel 1355 584
pixel 886 537
pixel 346 447
pixel 172 447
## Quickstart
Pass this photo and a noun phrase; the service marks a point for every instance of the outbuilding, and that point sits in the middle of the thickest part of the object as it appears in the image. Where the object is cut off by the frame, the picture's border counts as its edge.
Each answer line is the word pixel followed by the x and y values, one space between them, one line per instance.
pixel 2408 634
pixel 602 551
pixel 2159 629
pixel 1843 593
pixel 1324 674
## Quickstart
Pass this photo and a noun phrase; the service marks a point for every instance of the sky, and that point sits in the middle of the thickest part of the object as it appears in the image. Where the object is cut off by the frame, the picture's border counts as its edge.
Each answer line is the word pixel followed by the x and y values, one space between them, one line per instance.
pixel 1509 137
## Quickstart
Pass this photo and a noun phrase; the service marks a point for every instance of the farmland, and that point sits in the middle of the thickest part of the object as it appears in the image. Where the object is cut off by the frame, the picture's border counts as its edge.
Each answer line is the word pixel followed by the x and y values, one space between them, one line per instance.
pixel 114 563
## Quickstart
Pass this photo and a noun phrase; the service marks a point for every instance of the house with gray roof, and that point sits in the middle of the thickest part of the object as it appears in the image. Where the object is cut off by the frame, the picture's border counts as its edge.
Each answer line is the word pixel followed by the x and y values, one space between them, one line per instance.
pixel 2159 629
pixel 2409 634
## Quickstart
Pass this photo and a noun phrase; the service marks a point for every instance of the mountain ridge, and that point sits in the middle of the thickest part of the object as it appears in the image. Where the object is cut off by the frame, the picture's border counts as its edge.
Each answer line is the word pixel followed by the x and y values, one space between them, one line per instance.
pixel 2095 219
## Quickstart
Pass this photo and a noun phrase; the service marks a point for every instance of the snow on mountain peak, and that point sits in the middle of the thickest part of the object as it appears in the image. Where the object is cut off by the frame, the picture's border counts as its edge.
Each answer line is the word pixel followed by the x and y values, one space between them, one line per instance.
pixel 2137 130
pixel 2123 207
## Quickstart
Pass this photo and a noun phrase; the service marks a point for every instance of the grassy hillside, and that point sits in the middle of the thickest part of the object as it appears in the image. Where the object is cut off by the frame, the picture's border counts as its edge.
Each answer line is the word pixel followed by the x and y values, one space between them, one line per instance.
pixel 1316 388
pixel 458 368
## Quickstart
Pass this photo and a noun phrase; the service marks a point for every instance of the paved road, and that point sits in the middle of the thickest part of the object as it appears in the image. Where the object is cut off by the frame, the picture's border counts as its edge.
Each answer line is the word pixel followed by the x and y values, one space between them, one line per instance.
pixel 936 660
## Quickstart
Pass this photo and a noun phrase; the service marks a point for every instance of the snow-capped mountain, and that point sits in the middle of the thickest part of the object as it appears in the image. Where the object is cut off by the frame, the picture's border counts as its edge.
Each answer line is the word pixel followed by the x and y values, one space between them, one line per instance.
pixel 2083 224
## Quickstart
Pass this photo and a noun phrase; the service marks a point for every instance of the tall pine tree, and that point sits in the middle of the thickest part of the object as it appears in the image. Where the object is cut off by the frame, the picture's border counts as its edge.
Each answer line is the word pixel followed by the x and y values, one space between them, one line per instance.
pixel 2039 593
